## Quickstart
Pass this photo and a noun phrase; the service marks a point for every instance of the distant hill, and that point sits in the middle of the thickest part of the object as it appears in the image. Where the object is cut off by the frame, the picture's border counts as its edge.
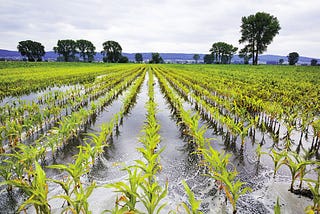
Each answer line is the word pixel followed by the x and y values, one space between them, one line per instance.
pixel 168 57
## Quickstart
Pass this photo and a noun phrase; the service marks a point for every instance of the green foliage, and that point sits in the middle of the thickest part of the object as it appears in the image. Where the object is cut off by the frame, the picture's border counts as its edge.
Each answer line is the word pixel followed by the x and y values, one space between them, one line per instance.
pixel 314 186
pixel 67 48
pixel 193 202
pixel 75 193
pixel 129 197
pixel 123 59
pixel 277 158
pixel 86 50
pixel 246 54
pixel 138 57
pixel 222 52
pixel 112 51
pixel 36 189
pixel 277 209
pixel 156 58
pixel 258 31
pixel 234 100
pixel 293 58
pixel 34 51
pixel 208 59
pixel 297 166
pixel 217 165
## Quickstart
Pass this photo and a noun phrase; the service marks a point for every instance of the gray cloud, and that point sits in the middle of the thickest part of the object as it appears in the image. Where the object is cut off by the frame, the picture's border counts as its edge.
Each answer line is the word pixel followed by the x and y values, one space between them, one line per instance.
pixel 165 26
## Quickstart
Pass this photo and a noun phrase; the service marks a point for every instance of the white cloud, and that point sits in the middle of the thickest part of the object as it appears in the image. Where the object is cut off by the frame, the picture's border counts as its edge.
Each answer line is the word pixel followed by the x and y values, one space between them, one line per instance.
pixel 189 26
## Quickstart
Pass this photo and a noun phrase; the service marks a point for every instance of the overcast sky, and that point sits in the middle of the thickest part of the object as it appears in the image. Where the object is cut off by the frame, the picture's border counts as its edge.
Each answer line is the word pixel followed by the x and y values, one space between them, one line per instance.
pixel 175 26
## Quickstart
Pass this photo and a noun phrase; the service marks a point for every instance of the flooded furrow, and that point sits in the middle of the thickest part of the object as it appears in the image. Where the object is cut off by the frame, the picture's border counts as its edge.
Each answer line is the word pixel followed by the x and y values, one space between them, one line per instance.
pixel 122 151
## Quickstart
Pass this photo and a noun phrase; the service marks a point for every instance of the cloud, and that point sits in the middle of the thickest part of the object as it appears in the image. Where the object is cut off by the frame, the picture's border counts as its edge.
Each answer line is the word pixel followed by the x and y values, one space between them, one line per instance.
pixel 189 26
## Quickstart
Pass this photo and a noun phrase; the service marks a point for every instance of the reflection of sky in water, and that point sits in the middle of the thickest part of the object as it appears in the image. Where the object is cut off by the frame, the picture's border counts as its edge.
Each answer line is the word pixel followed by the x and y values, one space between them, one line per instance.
pixel 176 165
pixel 34 95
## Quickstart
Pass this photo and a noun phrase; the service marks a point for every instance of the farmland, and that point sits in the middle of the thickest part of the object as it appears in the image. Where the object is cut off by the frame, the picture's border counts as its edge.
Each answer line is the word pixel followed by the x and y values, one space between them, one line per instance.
pixel 80 137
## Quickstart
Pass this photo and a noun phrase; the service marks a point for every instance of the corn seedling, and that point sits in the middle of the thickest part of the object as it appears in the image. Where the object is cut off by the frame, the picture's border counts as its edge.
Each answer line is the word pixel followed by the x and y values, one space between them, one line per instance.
pixel 76 194
pixel 36 190
pixel 277 209
pixel 129 197
pixel 297 166
pixel 194 204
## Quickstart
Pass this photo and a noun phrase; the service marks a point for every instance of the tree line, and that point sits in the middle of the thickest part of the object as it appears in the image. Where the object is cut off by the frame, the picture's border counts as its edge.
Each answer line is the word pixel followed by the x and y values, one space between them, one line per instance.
pixel 68 48
pixel 257 32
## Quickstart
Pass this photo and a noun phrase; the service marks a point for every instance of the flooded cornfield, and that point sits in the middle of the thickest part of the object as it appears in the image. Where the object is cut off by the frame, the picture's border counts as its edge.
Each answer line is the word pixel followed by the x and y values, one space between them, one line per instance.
pixel 164 138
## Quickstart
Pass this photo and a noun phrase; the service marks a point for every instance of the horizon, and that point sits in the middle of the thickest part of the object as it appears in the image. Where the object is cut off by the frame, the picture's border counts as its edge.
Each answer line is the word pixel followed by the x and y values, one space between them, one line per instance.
pixel 237 55
pixel 158 26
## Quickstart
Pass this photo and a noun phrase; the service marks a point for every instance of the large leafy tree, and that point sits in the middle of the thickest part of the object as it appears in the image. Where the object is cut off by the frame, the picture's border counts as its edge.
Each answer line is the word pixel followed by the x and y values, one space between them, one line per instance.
pixel 293 58
pixel 222 52
pixel 156 58
pixel 112 51
pixel 67 48
pixel 86 50
pixel 258 32
pixel 138 57
pixel 34 51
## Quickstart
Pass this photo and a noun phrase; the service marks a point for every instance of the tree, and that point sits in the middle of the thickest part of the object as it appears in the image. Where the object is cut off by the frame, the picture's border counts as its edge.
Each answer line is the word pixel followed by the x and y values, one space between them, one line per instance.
pixel 208 59
pixel 138 57
pixel 112 51
pixel 222 52
pixel 314 62
pixel 34 51
pixel 123 59
pixel 156 58
pixel 293 58
pixel 281 61
pixel 67 48
pixel 196 57
pixel 258 32
pixel 245 54
pixel 86 48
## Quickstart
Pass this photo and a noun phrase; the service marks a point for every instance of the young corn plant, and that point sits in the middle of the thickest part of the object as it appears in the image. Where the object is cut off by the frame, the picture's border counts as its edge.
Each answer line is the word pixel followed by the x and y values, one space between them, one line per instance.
pixel 232 187
pixel 36 190
pixel 152 192
pixel 297 166
pixel 277 158
pixel 76 194
pixel 314 186
pixel 129 191
pixel 194 204
pixel 217 165
pixel 277 209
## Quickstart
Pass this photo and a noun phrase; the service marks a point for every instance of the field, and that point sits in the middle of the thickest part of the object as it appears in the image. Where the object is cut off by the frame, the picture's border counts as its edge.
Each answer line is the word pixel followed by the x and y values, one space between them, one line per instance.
pixel 140 138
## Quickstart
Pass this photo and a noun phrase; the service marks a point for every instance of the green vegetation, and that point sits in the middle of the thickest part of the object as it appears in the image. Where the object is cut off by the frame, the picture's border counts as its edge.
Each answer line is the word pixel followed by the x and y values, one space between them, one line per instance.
pixel 222 52
pixel 34 51
pixel 234 102
pixel 257 31
pixel 112 51
pixel 293 58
